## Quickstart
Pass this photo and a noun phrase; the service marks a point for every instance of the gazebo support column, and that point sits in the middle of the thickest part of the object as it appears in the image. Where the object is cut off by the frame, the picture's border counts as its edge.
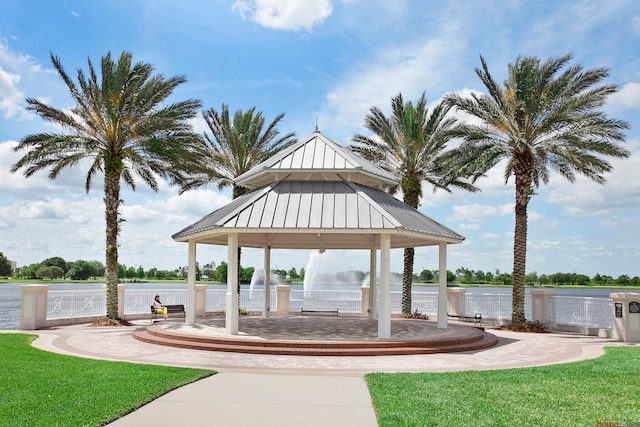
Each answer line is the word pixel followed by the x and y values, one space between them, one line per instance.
pixel 190 315
pixel 372 285
pixel 266 306
pixel 442 288
pixel 231 315
pixel 384 309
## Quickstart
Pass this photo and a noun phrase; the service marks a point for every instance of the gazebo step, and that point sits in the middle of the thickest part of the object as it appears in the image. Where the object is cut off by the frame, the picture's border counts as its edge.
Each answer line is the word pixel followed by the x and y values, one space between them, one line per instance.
pixel 315 348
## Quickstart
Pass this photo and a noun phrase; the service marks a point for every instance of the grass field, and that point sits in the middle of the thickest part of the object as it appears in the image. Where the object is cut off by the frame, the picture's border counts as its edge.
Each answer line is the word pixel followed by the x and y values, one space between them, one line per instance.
pixel 606 389
pixel 38 388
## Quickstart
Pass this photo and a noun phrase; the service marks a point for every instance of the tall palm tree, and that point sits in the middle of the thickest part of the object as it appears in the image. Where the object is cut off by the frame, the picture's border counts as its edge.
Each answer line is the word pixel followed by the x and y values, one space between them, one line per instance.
pixel 410 143
pixel 544 118
pixel 234 147
pixel 122 126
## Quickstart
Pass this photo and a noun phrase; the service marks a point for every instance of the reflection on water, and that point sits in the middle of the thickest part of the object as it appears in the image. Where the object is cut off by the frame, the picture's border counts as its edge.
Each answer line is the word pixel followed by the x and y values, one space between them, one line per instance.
pixel 10 293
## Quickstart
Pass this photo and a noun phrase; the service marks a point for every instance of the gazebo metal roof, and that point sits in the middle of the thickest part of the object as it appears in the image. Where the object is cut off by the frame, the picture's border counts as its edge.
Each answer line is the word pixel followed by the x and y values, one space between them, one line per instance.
pixel 316 158
pixel 312 215
pixel 317 194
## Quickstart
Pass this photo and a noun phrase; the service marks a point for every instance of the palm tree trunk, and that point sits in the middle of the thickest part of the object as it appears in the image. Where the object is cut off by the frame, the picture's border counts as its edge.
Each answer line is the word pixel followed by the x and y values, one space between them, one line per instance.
pixel 112 203
pixel 238 191
pixel 523 195
pixel 411 189
pixel 407 281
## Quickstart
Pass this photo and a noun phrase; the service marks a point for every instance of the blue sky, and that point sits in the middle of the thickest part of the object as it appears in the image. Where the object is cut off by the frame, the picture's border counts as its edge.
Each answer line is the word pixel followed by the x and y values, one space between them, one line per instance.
pixel 330 61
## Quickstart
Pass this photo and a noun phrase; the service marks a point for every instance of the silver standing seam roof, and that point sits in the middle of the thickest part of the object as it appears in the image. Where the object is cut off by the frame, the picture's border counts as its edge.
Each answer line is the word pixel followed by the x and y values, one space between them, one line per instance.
pixel 316 158
pixel 317 194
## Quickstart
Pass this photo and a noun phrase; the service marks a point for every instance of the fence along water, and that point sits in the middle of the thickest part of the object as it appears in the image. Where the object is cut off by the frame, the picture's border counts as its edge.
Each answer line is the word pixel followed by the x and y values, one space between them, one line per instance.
pixel 573 311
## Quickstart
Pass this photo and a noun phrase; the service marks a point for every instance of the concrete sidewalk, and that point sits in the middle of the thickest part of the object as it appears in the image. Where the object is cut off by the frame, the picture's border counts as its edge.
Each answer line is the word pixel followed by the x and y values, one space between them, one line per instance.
pixel 235 399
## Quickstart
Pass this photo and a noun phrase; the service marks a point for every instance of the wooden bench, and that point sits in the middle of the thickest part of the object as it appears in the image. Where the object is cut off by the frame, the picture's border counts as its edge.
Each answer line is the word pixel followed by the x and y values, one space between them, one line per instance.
pixel 171 309
pixel 303 311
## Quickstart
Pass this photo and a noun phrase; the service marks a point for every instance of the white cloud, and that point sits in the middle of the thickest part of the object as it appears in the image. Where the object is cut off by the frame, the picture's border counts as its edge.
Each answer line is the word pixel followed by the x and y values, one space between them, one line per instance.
pixel 402 69
pixel 293 15
pixel 198 124
pixel 467 227
pixel 194 203
pixel 70 181
pixel 627 97
pixel 492 236
pixel 18 71
pixel 10 96
pixel 585 197
pixel 476 212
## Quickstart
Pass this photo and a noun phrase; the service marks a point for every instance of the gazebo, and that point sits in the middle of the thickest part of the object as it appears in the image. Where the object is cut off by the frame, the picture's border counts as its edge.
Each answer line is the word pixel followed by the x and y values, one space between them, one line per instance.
pixel 317 194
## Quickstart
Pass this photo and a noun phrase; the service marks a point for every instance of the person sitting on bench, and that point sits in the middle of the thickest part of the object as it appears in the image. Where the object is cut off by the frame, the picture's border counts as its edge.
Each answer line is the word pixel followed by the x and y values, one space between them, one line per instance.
pixel 159 307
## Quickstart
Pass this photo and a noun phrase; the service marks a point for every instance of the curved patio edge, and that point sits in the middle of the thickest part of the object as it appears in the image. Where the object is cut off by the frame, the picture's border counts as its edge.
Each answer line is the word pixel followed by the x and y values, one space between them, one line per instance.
pixel 514 350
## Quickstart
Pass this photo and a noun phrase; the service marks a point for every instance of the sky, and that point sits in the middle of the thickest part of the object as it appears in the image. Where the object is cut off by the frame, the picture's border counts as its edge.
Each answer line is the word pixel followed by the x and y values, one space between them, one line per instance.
pixel 326 62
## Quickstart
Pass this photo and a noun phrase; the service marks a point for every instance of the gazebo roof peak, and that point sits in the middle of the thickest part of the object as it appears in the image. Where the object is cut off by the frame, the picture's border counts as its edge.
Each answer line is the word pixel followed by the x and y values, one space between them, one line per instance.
pixel 316 158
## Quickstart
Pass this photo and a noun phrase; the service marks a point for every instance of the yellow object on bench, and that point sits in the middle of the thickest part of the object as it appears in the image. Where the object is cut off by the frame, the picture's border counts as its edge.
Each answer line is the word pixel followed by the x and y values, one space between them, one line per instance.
pixel 174 308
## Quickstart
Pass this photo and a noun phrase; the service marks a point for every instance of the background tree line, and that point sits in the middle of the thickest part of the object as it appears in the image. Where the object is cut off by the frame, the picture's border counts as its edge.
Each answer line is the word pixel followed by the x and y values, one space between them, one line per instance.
pixel 466 276
pixel 57 268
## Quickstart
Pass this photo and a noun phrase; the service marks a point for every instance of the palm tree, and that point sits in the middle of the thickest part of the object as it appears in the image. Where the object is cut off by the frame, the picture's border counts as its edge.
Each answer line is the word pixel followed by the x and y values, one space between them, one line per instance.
pixel 545 118
pixel 409 144
pixel 122 126
pixel 234 147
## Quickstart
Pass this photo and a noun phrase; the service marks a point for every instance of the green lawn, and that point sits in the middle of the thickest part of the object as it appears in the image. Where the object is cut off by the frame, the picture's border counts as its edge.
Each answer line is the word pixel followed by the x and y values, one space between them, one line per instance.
pixel 606 389
pixel 38 388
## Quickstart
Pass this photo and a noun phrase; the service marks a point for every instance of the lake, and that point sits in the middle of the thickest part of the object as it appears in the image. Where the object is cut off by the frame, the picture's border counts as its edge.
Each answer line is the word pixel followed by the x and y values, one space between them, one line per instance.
pixel 10 293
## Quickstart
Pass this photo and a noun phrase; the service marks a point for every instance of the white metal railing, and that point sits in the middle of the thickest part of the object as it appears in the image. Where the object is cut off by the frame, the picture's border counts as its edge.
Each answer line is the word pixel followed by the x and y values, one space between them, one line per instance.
pixel 69 304
pixel 582 311
pixel 424 302
pixel 216 300
pixel 493 306
pixel 343 301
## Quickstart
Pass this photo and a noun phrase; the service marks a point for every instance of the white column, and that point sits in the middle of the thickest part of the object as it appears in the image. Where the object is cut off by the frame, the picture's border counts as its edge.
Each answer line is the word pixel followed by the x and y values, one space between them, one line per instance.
pixel 626 316
pixel 372 285
pixel 384 309
pixel 266 307
pixel 33 306
pixel 231 319
pixel 201 300
pixel 190 315
pixel 283 293
pixel 121 291
pixel 365 291
pixel 540 309
pixel 442 288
